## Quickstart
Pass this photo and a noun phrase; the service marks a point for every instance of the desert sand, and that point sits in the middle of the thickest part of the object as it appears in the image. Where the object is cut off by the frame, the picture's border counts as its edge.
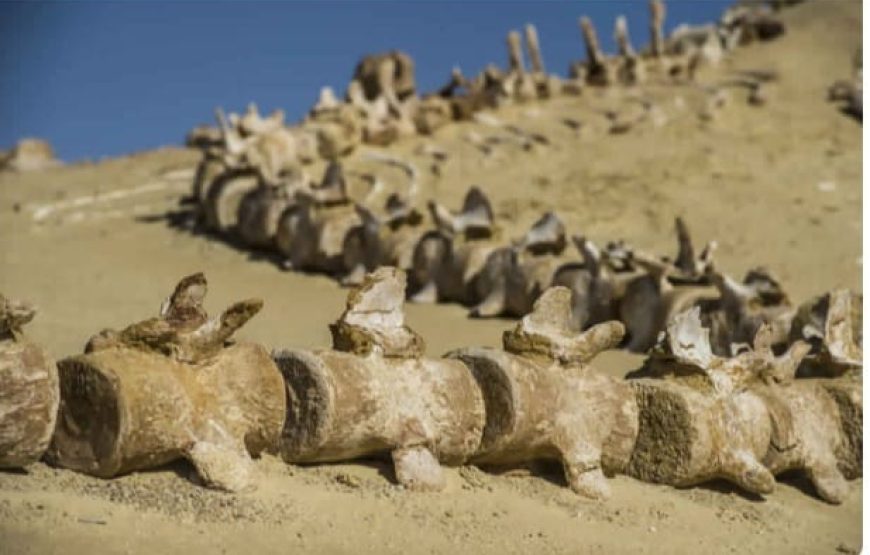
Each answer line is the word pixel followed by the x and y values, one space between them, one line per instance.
pixel 99 245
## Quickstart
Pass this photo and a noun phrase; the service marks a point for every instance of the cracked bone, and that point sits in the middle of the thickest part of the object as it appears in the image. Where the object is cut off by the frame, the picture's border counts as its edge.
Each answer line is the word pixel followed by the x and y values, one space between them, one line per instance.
pixel 529 413
pixel 30 393
pixel 375 395
pixel 743 418
pixel 743 307
pixel 831 323
pixel 170 388
pixel 651 300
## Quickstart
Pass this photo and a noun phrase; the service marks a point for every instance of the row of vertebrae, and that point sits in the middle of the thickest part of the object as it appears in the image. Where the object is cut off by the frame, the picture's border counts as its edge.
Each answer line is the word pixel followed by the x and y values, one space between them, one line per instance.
pixel 175 386
pixel 382 104
pixel 464 256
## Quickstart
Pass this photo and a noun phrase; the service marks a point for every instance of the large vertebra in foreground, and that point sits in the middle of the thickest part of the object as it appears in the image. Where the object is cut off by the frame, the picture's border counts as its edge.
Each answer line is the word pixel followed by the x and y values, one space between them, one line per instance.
pixel 169 388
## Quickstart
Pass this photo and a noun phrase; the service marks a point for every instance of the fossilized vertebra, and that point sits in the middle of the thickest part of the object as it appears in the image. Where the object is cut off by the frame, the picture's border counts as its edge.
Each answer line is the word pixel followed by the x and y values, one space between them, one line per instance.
pixel 29 394
pixel 543 401
pixel 376 395
pixel 171 387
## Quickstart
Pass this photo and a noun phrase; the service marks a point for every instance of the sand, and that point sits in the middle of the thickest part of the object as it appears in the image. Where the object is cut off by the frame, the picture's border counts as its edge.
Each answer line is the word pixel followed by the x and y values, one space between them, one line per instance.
pixel 100 245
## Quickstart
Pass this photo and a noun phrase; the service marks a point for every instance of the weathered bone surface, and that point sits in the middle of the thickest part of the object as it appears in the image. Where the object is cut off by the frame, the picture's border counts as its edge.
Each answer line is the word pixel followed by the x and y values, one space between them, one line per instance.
pixel 29 395
pixel 374 395
pixel 386 241
pixel 514 277
pixel 745 418
pixel 831 323
pixel 170 388
pixel 544 402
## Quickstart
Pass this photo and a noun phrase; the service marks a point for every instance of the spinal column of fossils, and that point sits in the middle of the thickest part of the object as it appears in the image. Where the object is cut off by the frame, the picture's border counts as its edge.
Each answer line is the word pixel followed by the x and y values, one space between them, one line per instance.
pixel 375 393
pixel 745 418
pixel 543 401
pixel 29 393
pixel 171 387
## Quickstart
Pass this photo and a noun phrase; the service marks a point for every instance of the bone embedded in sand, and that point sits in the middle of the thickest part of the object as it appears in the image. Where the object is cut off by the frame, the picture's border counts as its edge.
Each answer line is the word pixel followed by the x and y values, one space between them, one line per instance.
pixel 377 395
pixel 170 388
pixel 29 396
pixel 529 416
pixel 743 418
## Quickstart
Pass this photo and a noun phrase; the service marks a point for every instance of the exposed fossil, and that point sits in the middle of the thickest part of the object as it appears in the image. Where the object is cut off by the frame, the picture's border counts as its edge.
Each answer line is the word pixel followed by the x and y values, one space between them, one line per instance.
pixel 171 387
pixel 529 416
pixel 29 395
pixel 376 395
pixel 743 418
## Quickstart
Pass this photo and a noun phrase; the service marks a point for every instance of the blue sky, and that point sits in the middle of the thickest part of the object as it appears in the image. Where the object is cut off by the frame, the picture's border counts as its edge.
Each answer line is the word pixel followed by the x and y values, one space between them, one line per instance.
pixel 108 78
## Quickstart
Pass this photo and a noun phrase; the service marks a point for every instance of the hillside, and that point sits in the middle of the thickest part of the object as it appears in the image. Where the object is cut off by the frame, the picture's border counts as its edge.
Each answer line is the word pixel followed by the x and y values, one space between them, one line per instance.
pixel 777 185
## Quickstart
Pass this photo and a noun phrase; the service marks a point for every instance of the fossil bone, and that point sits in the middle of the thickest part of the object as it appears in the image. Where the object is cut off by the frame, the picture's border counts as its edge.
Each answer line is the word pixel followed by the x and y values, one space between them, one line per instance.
pixel 529 416
pixel 169 388
pixel 30 395
pixel 375 395
pixel 744 418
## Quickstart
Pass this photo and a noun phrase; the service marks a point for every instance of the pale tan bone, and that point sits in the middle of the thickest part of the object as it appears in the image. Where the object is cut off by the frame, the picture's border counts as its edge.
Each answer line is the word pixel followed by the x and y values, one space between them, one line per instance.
pixel 831 323
pixel 743 418
pixel 623 41
pixel 657 22
pixel 446 267
pixel 652 300
pixel 170 388
pixel 252 123
pixel 514 277
pixel 743 307
pixel 516 64
pixel 529 416
pixel 376 396
pixel 271 150
pixel 385 241
pixel 475 219
pixel 29 155
pixel 30 395
pixel 224 195
pixel 534 49
pixel 260 211
pixel 390 75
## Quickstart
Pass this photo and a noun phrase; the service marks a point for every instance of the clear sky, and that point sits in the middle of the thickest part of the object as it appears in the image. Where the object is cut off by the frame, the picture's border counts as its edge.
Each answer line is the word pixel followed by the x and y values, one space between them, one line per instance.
pixel 108 78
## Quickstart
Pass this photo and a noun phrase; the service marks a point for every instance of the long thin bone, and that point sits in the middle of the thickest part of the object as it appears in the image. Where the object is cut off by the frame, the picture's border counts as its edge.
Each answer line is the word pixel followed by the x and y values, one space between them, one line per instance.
pixel 534 49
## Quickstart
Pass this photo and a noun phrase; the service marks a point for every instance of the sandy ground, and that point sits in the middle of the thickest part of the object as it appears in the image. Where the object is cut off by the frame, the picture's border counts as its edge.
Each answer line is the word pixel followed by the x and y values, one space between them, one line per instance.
pixel 778 185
